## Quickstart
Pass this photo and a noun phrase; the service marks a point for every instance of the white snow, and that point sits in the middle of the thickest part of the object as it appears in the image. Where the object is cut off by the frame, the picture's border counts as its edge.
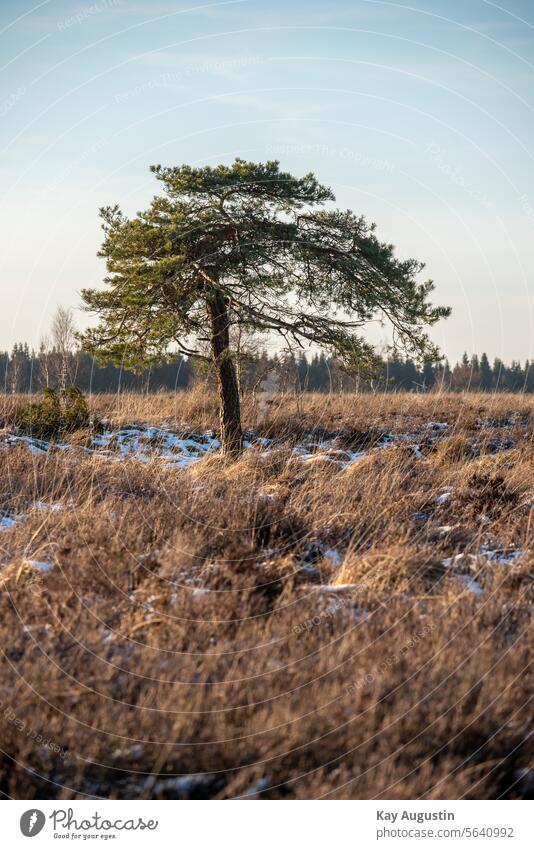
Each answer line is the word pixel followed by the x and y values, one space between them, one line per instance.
pixel 259 786
pixel 145 443
pixel 36 446
pixel 448 562
pixel 334 556
pixel 41 565
pixel 491 553
pixel 178 449
pixel 470 584
pixel 199 592
pixel 7 521
pixel 501 555
pixel 141 442
pixel 43 505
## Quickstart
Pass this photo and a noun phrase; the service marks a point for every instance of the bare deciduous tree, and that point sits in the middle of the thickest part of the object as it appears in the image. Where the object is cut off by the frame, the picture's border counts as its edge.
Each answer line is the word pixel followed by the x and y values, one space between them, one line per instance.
pixel 64 340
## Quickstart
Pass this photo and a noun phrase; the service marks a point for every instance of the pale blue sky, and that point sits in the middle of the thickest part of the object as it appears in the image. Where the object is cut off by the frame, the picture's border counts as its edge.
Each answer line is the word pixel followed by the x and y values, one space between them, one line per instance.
pixel 420 115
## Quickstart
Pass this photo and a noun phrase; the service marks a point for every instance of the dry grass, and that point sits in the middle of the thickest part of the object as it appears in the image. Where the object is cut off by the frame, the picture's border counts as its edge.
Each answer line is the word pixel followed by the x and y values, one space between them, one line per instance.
pixel 184 644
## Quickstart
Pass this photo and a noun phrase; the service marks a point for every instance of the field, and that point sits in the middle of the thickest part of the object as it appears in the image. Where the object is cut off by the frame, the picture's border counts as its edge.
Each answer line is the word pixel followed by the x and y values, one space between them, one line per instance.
pixel 344 612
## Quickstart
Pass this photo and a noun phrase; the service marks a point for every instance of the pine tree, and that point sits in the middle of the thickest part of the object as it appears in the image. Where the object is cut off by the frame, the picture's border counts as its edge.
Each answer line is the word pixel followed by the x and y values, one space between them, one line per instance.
pixel 515 377
pixel 302 371
pixel 429 375
pixel 474 378
pixel 249 244
pixel 498 373
pixel 486 374
pixel 529 376
pixel 461 374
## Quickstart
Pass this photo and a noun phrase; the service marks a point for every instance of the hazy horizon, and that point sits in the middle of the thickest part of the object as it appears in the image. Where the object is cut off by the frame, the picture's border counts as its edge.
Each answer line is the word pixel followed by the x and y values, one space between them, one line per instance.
pixel 419 118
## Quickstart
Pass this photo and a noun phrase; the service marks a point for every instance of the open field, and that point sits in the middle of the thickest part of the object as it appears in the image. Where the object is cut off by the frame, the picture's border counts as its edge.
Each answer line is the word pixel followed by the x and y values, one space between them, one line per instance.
pixel 344 612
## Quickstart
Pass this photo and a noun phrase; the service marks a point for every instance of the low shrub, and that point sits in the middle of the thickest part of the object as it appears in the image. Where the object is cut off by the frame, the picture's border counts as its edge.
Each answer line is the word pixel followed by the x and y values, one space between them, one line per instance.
pixel 74 411
pixel 56 414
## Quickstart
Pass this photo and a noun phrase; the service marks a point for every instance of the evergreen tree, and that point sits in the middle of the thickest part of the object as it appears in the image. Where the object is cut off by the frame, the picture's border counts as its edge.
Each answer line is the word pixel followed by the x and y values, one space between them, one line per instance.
pixel 486 374
pixel 515 378
pixel 529 377
pixel 498 373
pixel 19 368
pixel 248 243
pixel 474 377
pixel 429 375
pixel 461 374
pixel 302 372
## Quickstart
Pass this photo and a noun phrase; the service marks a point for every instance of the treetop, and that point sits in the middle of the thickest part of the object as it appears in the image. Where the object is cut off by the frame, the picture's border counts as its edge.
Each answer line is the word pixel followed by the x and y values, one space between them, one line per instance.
pixel 262 243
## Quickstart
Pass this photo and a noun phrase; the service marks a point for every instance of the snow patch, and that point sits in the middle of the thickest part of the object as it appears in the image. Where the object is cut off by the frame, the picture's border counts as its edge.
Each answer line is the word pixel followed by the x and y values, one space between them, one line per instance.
pixel 41 565
pixel 259 786
pixel 450 562
pixel 180 449
pixel 500 555
pixel 7 520
pixel 43 505
pixel 334 556
pixel 470 584
pixel 199 592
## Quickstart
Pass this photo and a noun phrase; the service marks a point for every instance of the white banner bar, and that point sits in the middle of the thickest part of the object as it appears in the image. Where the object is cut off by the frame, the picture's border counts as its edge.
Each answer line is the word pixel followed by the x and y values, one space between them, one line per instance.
pixel 270 825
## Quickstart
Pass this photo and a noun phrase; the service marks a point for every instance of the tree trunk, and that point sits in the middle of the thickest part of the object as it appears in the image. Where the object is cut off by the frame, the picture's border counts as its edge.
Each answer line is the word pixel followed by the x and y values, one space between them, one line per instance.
pixel 64 372
pixel 229 406
pixel 238 364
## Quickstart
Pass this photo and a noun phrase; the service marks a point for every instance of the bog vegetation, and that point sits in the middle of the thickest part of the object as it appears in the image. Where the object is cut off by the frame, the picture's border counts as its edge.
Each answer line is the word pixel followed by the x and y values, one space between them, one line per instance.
pixel 343 612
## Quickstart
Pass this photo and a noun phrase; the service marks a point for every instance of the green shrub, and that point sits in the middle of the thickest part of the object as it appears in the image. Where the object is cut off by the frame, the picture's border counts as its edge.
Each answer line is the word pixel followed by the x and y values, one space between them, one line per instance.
pixel 43 418
pixel 74 410
pixel 56 414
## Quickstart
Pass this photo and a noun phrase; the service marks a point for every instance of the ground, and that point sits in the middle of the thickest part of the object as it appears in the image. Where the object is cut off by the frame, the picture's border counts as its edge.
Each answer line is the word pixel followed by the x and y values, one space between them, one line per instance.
pixel 345 612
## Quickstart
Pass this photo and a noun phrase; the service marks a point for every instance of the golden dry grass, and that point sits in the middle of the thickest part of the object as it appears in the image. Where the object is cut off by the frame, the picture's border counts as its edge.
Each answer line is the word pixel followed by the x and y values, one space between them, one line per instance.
pixel 197 635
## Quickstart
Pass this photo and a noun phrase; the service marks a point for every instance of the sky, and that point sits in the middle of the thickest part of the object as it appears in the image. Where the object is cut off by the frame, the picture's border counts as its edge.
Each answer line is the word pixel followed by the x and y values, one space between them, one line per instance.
pixel 420 115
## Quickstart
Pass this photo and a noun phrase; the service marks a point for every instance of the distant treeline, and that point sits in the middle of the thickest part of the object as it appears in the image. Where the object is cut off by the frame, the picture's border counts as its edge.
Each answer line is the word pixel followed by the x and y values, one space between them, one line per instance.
pixel 24 370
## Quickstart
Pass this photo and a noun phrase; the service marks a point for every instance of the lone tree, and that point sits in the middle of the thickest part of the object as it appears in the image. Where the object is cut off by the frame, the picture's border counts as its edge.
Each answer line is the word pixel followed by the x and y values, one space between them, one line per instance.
pixel 249 244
